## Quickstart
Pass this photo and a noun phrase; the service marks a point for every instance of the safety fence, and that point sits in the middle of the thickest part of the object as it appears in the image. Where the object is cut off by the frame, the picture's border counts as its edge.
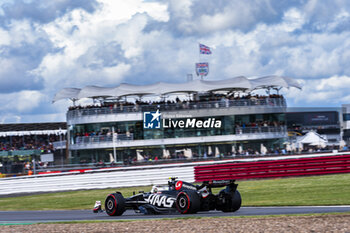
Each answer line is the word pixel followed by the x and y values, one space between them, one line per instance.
pixel 274 168
pixel 95 180
pixel 132 176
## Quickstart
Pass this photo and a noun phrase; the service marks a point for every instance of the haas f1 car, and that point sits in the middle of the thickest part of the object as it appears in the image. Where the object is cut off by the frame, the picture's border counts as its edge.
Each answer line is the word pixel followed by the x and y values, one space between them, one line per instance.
pixel 178 195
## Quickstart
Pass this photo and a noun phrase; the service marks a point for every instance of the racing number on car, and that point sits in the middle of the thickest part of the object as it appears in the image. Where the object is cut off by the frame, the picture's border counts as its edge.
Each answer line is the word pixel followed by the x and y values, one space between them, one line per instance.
pixel 178 185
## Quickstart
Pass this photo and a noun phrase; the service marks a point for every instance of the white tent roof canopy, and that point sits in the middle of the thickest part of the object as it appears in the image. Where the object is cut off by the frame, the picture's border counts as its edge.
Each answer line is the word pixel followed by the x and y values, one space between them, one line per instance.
pixel 312 138
pixel 161 88
pixel 67 93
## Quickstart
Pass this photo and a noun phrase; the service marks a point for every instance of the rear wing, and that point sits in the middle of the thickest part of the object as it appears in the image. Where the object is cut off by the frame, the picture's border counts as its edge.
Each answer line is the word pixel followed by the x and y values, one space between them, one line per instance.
pixel 219 183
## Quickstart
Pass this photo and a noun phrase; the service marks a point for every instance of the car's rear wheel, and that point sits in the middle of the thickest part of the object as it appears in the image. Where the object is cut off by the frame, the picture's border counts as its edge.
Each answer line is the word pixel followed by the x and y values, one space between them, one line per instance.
pixel 115 204
pixel 188 202
pixel 230 201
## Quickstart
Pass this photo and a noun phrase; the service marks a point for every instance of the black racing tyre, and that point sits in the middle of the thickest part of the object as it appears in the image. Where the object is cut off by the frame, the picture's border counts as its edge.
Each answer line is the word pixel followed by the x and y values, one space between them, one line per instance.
pixel 188 202
pixel 115 204
pixel 236 201
pixel 232 201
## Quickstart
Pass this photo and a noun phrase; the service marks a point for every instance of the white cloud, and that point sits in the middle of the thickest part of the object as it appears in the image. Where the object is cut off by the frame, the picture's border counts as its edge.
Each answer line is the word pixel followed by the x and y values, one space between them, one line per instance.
pixel 5 38
pixel 148 41
pixel 22 102
pixel 82 35
pixel 293 19
pixel 181 8
pixel 334 83
pixel 267 49
pixel 321 92
pixel 23 31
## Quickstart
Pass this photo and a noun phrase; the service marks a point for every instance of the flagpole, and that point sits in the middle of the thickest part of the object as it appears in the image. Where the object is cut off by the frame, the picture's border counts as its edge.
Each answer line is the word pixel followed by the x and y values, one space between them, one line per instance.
pixel 199 56
pixel 199 53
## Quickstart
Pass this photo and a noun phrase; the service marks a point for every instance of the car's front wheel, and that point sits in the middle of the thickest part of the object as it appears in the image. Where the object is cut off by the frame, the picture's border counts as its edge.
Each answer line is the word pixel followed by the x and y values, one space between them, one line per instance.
pixel 115 204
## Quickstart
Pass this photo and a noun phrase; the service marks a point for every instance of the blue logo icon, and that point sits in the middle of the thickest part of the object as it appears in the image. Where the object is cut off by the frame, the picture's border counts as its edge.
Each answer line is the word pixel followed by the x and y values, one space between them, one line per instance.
pixel 151 120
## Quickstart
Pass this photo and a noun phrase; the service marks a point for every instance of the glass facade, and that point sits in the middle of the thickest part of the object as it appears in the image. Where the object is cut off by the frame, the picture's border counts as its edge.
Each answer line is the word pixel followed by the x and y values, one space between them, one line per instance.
pixel 346 116
pixel 88 134
pixel 200 150
pixel 134 129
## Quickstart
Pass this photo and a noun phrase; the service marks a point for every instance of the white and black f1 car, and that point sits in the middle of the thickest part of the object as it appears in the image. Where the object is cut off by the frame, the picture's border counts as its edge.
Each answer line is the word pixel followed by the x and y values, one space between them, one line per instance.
pixel 180 196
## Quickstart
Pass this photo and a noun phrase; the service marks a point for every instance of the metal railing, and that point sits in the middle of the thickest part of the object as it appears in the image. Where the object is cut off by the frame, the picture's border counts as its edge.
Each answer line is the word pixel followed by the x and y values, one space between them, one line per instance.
pixel 21 152
pixel 120 137
pixel 103 138
pixel 261 129
pixel 225 103
pixel 139 176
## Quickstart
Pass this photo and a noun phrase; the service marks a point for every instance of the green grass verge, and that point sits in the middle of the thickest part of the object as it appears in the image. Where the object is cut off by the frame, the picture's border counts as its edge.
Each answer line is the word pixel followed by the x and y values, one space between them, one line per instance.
pixel 314 190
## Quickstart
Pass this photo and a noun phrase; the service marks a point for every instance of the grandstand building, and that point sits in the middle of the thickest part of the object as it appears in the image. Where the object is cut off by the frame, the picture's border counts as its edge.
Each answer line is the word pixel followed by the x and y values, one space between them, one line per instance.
pixel 22 142
pixel 324 121
pixel 166 120
pixel 346 122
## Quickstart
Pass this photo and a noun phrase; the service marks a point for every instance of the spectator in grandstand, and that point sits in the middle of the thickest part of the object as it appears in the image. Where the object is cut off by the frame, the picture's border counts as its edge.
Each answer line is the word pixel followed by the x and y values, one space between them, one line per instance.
pixel 101 163
pixel 28 142
pixel 220 100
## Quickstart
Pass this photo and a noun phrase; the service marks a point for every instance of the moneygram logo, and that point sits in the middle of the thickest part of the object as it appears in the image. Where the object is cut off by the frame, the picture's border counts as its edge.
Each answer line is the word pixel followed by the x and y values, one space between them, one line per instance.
pixel 153 120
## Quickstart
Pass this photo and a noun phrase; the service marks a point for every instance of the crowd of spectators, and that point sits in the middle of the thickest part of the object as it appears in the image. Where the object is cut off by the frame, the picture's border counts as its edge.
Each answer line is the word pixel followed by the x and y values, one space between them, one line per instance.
pixel 260 124
pixel 20 166
pixel 28 142
pixel 106 135
pixel 122 134
pixel 104 132
pixel 247 152
pixel 217 100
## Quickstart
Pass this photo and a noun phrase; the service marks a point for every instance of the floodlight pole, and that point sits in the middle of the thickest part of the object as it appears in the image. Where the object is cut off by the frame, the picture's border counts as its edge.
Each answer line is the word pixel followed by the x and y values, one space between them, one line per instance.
pixel 114 150
pixel 61 151
pixel 34 165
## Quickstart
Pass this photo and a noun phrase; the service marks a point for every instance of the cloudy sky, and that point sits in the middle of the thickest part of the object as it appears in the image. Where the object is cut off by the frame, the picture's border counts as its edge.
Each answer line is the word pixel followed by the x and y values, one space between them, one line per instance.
pixel 49 45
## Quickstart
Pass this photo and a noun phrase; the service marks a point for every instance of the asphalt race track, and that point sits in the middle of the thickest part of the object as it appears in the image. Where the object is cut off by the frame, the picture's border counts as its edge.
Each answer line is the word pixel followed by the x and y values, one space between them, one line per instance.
pixel 78 215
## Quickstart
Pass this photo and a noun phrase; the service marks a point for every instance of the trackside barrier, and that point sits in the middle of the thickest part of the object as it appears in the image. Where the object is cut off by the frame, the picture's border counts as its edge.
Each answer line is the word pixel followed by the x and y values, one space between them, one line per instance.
pixel 101 180
pixel 274 168
pixel 126 176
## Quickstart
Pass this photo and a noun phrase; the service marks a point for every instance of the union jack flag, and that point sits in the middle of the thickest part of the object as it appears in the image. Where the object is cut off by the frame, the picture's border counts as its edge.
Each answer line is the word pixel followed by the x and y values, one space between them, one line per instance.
pixel 203 49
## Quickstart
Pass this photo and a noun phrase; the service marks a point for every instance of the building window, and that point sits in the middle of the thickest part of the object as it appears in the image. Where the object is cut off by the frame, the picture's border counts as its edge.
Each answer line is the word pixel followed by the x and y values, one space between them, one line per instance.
pixel 346 116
